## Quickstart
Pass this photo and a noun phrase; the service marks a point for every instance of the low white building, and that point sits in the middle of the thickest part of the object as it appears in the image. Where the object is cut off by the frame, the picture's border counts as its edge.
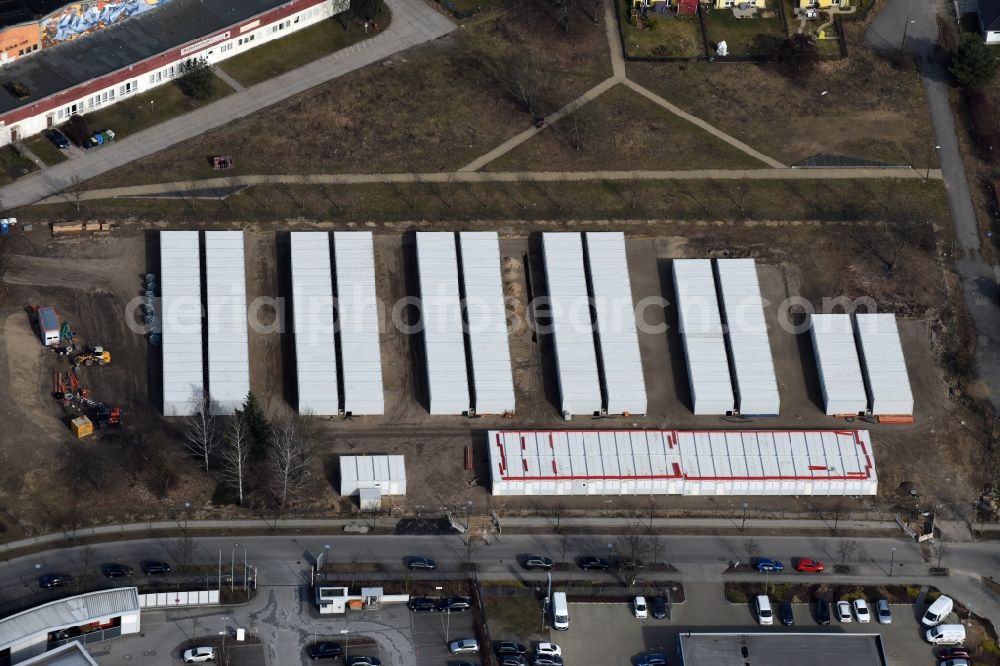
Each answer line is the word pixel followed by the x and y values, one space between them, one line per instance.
pixel 385 474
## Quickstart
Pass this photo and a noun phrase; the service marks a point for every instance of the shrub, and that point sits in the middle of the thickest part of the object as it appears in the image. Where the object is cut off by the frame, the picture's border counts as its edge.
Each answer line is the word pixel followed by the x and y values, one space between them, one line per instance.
pixel 736 596
pixel 198 81
pixel 912 592
pixel 851 596
pixel 651 22
pixel 972 63
pixel 983 120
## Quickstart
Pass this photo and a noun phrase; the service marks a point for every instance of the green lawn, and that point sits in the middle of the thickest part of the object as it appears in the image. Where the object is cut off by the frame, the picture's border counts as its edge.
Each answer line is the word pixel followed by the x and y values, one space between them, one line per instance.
pixel 45 151
pixel 744 37
pixel 661 36
pixel 283 55
pixel 13 165
pixel 151 108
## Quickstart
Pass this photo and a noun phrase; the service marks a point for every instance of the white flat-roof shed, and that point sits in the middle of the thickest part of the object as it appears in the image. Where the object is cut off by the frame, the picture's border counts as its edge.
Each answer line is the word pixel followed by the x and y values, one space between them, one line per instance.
pixel 837 364
pixel 746 336
pixel 441 321
pixel 387 474
pixel 226 308
pixel 486 319
pixel 358 322
pixel 701 329
pixel 180 322
pixel 617 338
pixel 675 462
pixel 883 364
pixel 572 330
pixel 312 317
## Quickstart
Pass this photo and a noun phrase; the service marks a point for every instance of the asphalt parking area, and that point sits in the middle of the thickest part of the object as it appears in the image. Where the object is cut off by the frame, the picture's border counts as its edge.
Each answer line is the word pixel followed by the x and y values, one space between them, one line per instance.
pixel 431 633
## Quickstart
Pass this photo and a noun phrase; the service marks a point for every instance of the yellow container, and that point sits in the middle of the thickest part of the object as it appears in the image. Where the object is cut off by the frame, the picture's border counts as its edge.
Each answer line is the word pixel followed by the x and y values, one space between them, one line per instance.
pixel 82 427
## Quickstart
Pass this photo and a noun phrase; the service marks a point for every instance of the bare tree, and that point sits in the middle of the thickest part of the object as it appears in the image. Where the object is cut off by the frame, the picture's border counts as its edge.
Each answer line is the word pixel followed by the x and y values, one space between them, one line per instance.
pixel 633 546
pixel 940 549
pixel 517 74
pixel 201 432
pixel 563 547
pixel 182 550
pixel 838 511
pixel 558 511
pixel 845 547
pixel 291 455
pixel 657 548
pixel 236 455
pixel 751 548
pixel 470 547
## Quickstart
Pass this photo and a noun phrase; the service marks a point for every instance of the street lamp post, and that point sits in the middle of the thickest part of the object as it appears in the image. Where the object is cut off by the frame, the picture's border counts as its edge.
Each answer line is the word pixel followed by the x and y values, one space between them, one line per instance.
pixel 743 525
pixel 610 547
pixel 906 26
pixel 930 151
pixel 892 560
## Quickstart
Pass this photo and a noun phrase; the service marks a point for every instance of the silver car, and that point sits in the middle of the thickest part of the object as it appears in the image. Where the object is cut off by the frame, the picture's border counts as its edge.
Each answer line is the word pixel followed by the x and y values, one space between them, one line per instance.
pixel 883 612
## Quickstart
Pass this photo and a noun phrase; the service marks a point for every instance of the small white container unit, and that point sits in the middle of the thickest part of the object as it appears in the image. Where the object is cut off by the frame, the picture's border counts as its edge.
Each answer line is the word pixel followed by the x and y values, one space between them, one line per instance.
pixel 441 322
pixel 837 364
pixel 617 338
pixel 746 336
pixel 701 329
pixel 358 322
pixel 572 330
pixel 312 317
pixel 387 474
pixel 180 322
pixel 884 365
pixel 486 318
pixel 226 309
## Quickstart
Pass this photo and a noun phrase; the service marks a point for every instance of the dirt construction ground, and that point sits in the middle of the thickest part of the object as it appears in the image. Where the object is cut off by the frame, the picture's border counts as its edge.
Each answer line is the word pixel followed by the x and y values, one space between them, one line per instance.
pixel 90 281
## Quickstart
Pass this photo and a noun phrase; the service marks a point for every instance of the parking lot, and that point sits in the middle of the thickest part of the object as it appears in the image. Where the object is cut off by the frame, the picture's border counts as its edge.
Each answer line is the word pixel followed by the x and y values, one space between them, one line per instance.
pixel 608 634
pixel 431 633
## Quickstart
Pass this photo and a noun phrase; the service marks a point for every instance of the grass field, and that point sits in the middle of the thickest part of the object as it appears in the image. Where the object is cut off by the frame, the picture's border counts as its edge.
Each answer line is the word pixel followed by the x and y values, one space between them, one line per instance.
pixel 13 165
pixel 661 35
pixel 757 37
pixel 623 130
pixel 45 150
pixel 283 55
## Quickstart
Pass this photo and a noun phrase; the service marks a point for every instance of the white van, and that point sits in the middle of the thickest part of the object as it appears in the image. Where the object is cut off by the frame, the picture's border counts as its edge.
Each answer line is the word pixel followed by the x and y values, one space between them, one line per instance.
pixel 938 611
pixel 946 634
pixel 560 611
pixel 764 615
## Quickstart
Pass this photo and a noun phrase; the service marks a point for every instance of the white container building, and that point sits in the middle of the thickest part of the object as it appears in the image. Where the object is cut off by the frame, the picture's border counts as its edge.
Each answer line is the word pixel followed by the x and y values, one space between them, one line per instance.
pixel 312 317
pixel 358 322
pixel 701 329
pixel 572 330
pixel 750 357
pixel 441 321
pixel 486 320
pixel 673 462
pixel 226 309
pixel 883 364
pixel 837 364
pixel 617 338
pixel 181 322
pixel 387 474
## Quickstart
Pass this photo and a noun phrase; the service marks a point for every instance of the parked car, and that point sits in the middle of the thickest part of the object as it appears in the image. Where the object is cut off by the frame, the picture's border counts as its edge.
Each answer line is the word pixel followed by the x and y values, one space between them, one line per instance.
pixel 538 562
pixel 953 653
pixel 946 634
pixel 454 604
pixel 764 564
pixel 844 612
pixel 659 608
pixel 883 612
pixel 629 564
pixel 57 138
pixel 861 611
pixel 155 568
pixel 639 608
pixel 422 564
pixel 510 647
pixel 805 565
pixel 68 632
pixel 548 660
pixel 954 662
pixel 762 605
pixel 652 659
pixel 822 612
pixel 199 655
pixel 938 611
pixel 786 614
pixel 548 650
pixel 463 646
pixel 325 650
pixel 588 562
pixel 364 660
pixel 511 660
pixel 115 570
pixel 48 581
pixel 422 604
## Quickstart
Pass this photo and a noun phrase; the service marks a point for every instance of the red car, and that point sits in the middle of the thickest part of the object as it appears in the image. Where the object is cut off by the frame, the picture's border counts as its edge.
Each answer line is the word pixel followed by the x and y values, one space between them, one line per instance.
pixel 809 566
pixel 954 653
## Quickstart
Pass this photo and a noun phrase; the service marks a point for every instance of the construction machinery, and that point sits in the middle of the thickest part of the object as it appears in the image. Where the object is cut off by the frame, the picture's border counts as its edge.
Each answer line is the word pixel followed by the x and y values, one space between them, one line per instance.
pixel 97 355
pixel 66 389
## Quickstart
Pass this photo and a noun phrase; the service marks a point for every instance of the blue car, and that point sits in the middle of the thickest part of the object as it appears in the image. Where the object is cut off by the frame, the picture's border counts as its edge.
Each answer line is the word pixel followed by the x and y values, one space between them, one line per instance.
pixel 764 564
pixel 652 659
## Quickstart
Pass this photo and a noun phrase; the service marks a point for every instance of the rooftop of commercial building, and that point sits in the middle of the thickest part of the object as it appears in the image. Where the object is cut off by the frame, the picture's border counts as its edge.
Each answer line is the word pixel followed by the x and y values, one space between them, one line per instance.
pixel 781 649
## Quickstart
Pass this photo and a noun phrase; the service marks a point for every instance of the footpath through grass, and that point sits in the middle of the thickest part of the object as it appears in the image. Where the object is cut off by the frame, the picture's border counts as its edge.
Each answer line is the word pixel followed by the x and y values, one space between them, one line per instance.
pixel 278 57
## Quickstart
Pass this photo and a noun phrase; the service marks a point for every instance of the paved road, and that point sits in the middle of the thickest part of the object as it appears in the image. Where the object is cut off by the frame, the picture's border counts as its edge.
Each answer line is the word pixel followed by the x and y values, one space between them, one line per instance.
pixel 919 20
pixel 413 22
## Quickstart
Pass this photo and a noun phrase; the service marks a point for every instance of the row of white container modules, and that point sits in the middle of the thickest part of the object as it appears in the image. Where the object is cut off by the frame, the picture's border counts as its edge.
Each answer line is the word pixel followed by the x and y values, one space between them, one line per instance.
pixel 861 364
pixel 677 462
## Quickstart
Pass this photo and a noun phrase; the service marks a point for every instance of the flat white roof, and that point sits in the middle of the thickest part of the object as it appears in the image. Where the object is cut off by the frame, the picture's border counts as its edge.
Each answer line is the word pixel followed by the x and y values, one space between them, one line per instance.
pixel 486 317
pixel 358 322
pixel 73 611
pixel 705 462
pixel 226 307
pixel 441 319
pixel 883 364
pixel 617 338
pixel 572 330
pixel 180 321
pixel 312 317
pixel 837 364
pixel 354 469
pixel 700 324
pixel 746 336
